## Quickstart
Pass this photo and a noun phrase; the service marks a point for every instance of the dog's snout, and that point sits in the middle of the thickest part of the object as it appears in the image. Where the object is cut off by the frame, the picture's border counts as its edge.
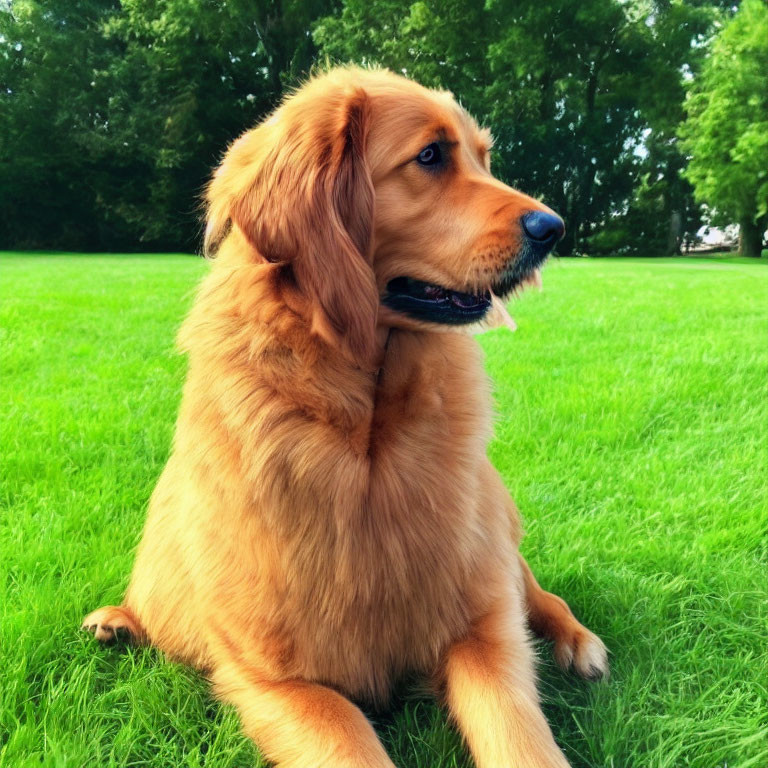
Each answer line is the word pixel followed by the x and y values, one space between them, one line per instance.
pixel 543 229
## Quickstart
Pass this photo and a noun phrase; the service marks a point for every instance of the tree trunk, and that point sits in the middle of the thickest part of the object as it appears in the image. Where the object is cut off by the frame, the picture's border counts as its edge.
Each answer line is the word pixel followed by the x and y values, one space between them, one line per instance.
pixel 751 236
pixel 673 234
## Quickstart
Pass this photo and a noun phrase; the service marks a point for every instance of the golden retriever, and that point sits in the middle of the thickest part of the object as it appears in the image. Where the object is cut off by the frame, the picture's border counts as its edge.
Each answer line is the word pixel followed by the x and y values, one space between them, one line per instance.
pixel 329 521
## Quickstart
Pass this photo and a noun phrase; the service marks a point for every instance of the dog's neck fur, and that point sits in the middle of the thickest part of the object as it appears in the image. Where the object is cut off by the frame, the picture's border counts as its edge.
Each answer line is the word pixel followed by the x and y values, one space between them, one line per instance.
pixel 268 357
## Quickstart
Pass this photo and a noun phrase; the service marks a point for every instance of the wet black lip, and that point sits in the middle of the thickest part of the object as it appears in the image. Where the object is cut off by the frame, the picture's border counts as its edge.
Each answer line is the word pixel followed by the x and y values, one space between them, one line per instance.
pixel 434 303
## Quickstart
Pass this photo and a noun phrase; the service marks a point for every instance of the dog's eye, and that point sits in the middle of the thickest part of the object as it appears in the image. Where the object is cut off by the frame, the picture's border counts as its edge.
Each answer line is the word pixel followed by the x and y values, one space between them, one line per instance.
pixel 430 155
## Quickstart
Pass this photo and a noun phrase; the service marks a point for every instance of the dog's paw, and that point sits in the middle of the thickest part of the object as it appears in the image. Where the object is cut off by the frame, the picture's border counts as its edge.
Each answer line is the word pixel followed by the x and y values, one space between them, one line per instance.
pixel 584 651
pixel 111 623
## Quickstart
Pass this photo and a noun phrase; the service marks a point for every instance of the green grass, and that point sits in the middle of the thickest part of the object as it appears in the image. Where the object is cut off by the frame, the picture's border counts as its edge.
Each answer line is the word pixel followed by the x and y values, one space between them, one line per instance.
pixel 632 420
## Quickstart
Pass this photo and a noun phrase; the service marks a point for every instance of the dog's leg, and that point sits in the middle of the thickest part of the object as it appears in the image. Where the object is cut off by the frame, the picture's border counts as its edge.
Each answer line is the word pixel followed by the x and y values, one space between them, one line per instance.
pixel 549 615
pixel 551 618
pixel 491 693
pixel 297 724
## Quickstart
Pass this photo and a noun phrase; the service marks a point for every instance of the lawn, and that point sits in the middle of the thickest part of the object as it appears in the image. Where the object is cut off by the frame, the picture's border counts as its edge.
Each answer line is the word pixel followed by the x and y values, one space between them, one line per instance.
pixel 632 430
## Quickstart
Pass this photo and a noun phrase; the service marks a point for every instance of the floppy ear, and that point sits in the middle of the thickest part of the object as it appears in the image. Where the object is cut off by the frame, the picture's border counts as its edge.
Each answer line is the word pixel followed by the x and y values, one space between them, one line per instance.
pixel 299 188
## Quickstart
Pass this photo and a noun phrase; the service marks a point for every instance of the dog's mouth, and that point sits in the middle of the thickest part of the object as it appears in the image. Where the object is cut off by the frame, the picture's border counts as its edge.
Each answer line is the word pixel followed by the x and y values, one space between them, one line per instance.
pixel 438 304
pixel 426 301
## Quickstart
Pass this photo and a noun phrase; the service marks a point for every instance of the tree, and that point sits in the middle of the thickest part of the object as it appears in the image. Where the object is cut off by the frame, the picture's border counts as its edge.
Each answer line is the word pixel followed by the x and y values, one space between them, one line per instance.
pixel 192 75
pixel 568 90
pixel 663 213
pixel 112 114
pixel 48 52
pixel 726 132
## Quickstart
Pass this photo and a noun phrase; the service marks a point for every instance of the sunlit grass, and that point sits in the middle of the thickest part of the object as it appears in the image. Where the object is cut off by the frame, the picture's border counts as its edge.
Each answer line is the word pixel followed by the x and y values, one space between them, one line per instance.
pixel 632 420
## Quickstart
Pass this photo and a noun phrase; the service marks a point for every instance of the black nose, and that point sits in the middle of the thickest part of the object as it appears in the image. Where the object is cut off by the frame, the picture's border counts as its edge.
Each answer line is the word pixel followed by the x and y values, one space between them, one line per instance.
pixel 544 229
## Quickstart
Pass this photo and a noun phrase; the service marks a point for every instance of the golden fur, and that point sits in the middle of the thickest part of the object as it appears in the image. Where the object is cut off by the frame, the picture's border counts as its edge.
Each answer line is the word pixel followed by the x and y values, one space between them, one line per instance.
pixel 328 520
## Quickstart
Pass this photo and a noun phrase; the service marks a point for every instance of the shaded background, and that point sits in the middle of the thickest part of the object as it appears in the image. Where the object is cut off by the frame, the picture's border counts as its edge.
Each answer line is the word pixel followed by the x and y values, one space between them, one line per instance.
pixel 626 117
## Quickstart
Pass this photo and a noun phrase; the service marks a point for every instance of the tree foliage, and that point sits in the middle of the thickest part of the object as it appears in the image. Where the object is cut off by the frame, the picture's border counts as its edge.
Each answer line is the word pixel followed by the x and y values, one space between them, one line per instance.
pixel 568 89
pixel 46 177
pixel 726 132
pixel 112 113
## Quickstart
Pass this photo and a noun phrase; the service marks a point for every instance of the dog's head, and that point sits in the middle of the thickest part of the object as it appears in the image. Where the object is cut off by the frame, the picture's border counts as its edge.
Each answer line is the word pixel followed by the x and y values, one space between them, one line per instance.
pixel 377 197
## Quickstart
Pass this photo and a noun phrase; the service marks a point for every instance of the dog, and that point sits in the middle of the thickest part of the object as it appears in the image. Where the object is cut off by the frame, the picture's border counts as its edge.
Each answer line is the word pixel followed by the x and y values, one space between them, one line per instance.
pixel 328 521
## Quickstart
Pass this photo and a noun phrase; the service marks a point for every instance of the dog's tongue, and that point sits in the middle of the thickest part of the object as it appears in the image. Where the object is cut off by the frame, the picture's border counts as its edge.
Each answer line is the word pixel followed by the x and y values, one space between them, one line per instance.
pixel 498 315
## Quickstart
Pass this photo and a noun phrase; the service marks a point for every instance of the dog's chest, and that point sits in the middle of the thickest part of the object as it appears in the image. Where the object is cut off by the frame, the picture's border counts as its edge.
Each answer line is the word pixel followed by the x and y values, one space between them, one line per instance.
pixel 397 579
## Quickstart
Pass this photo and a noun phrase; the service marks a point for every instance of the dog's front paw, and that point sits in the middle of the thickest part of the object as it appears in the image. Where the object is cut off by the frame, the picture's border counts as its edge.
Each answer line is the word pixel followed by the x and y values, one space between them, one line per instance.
pixel 112 622
pixel 584 651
